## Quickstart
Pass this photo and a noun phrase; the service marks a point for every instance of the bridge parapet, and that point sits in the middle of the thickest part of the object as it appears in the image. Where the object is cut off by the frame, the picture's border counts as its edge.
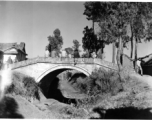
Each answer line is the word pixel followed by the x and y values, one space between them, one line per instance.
pixel 64 61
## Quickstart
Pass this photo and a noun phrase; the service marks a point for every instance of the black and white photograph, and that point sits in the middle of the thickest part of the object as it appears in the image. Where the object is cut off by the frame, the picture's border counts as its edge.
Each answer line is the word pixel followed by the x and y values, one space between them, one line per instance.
pixel 75 59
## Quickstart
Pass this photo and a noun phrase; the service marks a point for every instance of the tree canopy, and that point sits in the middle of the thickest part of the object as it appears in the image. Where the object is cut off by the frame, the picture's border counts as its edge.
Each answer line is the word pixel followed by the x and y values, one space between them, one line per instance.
pixel 114 19
pixel 76 44
pixel 90 41
pixel 56 41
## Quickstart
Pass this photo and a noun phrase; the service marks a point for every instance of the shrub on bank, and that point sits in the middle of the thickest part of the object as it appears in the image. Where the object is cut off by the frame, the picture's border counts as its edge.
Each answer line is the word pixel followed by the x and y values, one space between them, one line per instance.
pixel 99 82
pixel 106 91
pixel 23 85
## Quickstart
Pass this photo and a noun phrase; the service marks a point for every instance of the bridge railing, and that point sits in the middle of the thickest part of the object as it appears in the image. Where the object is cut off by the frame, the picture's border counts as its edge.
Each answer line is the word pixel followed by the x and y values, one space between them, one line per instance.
pixel 64 60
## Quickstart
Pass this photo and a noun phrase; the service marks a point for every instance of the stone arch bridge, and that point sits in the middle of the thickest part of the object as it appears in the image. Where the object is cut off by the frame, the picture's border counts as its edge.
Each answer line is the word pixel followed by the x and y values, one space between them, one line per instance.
pixel 40 67
pixel 45 70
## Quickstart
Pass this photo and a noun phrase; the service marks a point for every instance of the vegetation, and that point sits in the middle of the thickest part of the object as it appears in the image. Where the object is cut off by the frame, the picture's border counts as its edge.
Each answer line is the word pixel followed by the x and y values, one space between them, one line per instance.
pixel 115 19
pixel 76 48
pixel 55 42
pixel 105 91
pixel 76 44
pixel 90 41
pixel 69 50
pixel 24 86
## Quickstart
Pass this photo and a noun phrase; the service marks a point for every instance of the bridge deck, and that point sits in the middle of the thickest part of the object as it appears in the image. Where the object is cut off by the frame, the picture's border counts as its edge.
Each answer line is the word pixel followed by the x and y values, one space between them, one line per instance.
pixel 64 61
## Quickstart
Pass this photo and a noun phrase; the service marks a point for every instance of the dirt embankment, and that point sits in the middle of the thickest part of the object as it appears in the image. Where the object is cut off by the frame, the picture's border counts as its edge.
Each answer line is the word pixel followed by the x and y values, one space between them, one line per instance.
pixel 23 99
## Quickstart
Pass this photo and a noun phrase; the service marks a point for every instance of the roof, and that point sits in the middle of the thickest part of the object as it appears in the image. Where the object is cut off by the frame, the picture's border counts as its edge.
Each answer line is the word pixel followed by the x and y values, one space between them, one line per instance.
pixel 6 46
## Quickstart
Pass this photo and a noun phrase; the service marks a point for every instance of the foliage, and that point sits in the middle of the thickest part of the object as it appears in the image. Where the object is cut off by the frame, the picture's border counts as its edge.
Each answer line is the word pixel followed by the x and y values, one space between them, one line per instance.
pixel 56 41
pixel 90 41
pixel 76 44
pixel 138 22
pixel 24 86
pixel 105 91
pixel 100 82
pixel 118 19
pixel 92 10
pixel 69 50
pixel 149 32
pixel 85 55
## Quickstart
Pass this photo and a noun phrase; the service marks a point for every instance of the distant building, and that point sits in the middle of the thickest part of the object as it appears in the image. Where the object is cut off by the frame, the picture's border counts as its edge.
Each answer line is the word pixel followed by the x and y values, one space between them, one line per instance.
pixel 12 50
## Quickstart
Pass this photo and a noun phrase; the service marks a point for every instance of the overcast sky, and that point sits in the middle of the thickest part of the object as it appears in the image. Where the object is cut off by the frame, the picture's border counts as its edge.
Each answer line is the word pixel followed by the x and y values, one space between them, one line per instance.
pixel 32 22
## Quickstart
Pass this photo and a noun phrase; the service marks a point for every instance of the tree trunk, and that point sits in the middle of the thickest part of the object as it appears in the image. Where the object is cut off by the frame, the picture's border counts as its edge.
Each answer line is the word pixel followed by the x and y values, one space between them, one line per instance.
pixel 119 53
pixel 131 51
pixel 114 52
pixel 93 25
pixel 136 45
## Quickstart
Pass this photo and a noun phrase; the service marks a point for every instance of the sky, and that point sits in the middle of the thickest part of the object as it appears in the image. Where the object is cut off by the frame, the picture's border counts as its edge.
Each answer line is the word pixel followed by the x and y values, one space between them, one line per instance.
pixel 33 21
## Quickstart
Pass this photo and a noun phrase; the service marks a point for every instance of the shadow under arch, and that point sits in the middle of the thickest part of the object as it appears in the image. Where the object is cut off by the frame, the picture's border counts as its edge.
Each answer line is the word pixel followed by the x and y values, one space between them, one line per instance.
pixel 47 78
pixel 60 69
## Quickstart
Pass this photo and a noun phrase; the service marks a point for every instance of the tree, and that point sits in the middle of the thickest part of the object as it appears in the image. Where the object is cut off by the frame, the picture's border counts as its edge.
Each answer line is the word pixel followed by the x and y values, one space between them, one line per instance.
pixel 76 48
pixel 76 44
pixel 139 18
pixel 114 19
pixel 114 26
pixel 55 42
pixel 90 41
pixel 92 11
pixel 69 50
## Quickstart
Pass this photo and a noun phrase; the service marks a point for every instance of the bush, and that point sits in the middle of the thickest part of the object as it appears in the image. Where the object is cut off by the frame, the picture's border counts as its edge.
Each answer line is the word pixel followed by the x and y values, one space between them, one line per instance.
pixel 99 82
pixel 106 91
pixel 24 86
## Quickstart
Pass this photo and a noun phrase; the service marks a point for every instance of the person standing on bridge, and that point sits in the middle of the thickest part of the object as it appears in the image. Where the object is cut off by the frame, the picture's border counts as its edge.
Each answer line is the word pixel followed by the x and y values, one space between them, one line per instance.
pixel 94 55
pixel 47 53
pixel 76 49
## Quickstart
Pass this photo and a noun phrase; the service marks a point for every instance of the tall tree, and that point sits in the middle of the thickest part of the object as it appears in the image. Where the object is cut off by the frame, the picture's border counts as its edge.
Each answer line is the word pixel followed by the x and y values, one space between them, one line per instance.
pixel 114 52
pixel 76 48
pixel 55 41
pixel 114 26
pixel 90 41
pixel 92 11
pixel 139 18
pixel 76 44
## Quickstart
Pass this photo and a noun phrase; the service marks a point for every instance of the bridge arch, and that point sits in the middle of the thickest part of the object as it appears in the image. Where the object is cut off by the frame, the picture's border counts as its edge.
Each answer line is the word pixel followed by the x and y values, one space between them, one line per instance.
pixel 48 80
pixel 61 69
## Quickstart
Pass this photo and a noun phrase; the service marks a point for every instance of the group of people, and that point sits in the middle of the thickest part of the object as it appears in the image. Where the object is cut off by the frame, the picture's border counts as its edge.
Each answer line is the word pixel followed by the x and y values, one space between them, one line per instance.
pixel 61 53
pixel 64 54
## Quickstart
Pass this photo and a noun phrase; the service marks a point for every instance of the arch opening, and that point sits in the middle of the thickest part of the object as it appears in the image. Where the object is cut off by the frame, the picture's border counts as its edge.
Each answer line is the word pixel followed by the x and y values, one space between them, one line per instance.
pixel 50 85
